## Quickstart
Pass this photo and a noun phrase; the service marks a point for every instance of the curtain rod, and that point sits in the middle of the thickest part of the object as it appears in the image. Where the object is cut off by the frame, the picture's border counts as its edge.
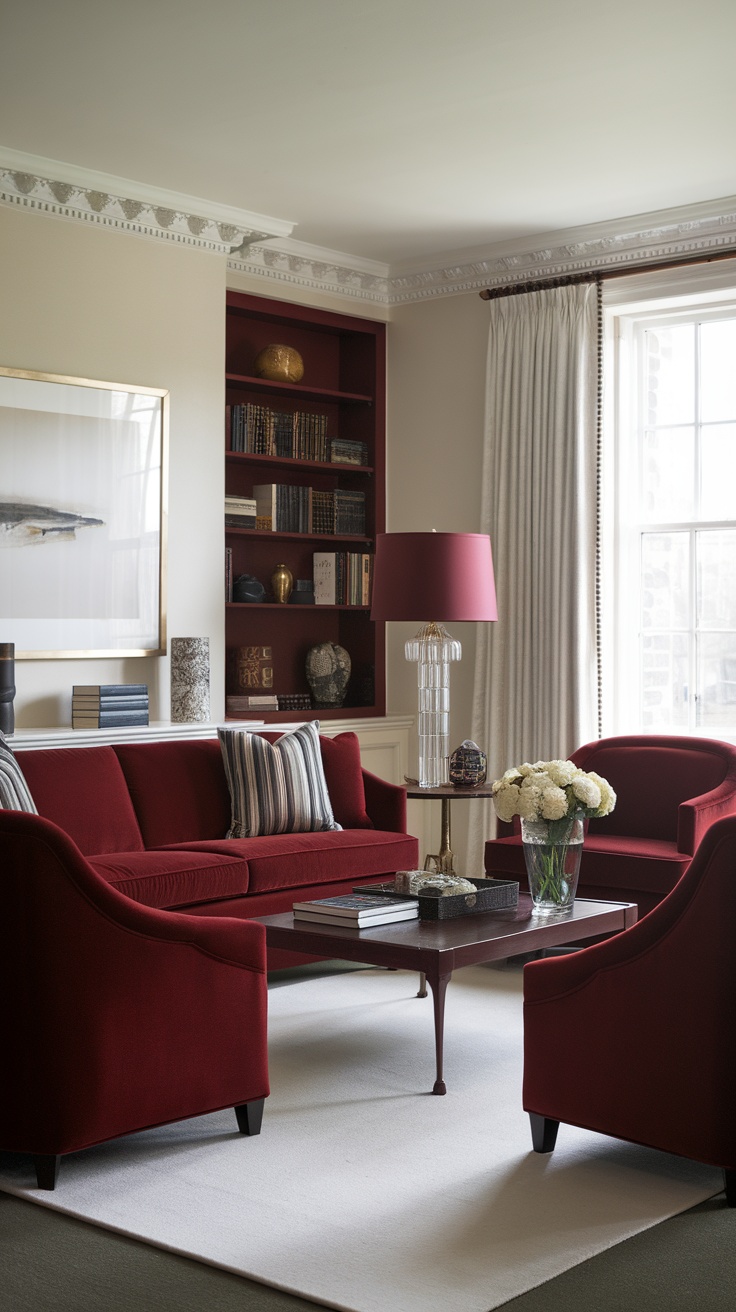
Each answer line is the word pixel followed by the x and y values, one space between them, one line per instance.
pixel 600 275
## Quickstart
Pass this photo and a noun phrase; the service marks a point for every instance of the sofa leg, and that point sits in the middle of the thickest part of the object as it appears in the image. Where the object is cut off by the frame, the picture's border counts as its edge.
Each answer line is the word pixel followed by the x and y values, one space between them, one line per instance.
pixel 47 1170
pixel 250 1115
pixel 544 1132
pixel 729 1184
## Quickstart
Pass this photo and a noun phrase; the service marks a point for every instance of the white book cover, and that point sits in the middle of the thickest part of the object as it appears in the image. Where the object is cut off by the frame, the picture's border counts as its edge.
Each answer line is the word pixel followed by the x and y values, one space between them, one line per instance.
pixel 325 578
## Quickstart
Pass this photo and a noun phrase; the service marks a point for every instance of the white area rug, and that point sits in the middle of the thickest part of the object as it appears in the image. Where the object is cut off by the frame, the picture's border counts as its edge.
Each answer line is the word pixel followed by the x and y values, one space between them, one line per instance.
pixel 366 1192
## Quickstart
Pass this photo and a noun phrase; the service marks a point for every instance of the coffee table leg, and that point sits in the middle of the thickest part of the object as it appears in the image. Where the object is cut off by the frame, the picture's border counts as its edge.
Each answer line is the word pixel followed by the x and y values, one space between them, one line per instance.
pixel 422 986
pixel 439 988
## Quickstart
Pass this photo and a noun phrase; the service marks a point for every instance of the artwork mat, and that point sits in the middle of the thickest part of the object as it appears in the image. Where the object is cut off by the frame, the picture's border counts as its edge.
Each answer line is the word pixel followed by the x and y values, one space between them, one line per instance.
pixel 124 428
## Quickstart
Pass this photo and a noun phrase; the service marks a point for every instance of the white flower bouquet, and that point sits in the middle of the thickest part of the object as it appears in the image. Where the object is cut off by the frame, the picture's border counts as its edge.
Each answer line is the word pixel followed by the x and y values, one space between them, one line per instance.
pixel 552 798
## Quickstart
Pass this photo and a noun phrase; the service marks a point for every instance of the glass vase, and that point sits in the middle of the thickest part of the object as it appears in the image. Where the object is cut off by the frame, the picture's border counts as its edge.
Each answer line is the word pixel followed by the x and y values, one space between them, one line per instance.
pixel 552 851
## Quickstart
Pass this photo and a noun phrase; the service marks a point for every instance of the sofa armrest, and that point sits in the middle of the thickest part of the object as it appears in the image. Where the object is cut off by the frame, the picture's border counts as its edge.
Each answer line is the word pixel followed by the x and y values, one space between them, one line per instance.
pixel 385 803
pixel 695 816
pixel 36 851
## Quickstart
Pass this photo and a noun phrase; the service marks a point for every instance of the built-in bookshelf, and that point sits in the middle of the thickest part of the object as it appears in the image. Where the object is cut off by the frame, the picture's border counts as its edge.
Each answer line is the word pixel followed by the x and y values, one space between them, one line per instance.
pixel 289 436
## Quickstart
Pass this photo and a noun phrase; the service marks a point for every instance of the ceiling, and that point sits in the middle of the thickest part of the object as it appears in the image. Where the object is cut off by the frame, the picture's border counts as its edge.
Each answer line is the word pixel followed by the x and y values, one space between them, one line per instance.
pixel 391 130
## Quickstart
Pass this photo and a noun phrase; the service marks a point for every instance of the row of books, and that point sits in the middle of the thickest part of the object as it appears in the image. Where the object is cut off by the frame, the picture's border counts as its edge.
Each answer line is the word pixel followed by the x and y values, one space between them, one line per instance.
pixel 258 430
pixel 109 705
pixel 246 705
pixel 357 910
pixel 342 578
pixel 290 508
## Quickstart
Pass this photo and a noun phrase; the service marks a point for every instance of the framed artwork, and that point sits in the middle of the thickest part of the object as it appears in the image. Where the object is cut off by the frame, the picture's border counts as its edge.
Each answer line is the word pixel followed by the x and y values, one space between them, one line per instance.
pixel 83 475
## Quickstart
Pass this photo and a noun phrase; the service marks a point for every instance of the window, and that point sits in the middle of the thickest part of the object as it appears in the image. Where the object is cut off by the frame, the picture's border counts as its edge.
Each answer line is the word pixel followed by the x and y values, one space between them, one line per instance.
pixel 674 523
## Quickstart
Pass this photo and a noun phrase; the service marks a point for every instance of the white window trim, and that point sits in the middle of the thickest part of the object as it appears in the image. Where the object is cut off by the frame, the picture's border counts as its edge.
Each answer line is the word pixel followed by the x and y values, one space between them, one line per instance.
pixel 707 292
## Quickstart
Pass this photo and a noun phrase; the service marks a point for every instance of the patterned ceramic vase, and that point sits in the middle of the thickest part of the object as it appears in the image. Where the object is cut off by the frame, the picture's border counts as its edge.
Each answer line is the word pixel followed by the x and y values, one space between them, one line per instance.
pixel 190 680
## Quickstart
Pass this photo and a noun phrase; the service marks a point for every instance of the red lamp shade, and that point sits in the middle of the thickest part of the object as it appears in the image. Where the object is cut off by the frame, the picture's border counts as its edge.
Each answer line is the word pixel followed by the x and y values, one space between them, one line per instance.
pixel 433 577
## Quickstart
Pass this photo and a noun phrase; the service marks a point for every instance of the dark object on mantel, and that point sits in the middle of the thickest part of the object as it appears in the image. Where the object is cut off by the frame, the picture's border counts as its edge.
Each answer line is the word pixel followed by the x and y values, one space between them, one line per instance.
pixel 7 687
pixel 247 588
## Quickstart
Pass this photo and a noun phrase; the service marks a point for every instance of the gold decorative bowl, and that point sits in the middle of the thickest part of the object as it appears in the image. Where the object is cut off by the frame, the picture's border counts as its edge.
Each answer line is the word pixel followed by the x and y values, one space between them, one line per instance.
pixel 280 364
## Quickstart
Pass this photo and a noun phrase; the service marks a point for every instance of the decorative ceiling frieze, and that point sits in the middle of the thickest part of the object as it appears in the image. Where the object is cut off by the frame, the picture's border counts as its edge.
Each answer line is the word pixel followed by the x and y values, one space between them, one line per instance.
pixel 68 192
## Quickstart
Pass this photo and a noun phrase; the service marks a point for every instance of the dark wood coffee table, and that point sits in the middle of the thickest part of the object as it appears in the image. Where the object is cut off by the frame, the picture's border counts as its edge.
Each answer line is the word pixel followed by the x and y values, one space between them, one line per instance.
pixel 436 948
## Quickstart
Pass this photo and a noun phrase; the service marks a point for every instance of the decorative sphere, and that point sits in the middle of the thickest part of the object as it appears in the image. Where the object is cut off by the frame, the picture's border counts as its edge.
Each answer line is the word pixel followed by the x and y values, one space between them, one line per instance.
pixel 280 364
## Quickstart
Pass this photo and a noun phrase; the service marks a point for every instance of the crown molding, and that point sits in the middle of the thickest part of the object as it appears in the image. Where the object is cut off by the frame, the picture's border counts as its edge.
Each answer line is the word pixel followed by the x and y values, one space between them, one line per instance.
pixel 81 195
pixel 316 269
pixel 668 234
pixel 68 192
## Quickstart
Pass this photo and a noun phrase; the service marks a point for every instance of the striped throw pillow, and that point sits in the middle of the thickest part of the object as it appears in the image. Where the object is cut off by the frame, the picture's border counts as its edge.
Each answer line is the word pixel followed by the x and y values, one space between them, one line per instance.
pixel 14 792
pixel 276 788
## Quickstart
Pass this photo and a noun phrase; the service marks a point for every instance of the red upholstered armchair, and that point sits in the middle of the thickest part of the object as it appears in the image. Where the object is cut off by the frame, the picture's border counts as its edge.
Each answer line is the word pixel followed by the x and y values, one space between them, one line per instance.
pixel 669 791
pixel 634 1037
pixel 116 1017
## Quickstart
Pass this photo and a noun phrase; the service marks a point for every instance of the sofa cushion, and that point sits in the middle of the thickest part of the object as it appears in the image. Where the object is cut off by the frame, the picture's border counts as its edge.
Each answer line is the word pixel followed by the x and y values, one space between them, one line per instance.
pixel 179 790
pixel 83 791
pixel 14 791
pixel 344 777
pixel 174 878
pixel 276 788
pixel 293 860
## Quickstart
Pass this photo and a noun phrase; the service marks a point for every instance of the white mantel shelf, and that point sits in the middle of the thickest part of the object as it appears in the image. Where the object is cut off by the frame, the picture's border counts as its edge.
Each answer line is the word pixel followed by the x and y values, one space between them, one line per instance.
pixel 163 730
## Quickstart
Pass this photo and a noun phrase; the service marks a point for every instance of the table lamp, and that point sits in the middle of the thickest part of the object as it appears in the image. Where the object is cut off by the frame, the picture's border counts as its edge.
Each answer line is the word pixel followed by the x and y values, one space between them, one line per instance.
pixel 448 576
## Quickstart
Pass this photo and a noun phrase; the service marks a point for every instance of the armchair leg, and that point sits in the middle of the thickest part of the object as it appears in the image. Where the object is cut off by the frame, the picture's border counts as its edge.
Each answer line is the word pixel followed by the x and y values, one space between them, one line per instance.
pixel 544 1132
pixel 729 1184
pixel 250 1115
pixel 47 1170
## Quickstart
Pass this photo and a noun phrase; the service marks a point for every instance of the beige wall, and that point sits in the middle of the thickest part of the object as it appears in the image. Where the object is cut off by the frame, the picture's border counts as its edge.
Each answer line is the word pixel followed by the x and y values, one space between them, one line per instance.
pixel 436 389
pixel 89 302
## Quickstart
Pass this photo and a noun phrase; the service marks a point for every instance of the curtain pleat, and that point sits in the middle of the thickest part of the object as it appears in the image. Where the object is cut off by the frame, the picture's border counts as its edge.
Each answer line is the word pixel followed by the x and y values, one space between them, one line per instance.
pixel 535 688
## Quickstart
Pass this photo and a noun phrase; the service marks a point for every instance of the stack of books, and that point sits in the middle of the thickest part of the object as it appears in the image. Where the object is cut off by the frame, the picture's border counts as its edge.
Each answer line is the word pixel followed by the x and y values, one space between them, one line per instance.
pixel 342 578
pixel 291 508
pixel 240 512
pixel 109 705
pixel 245 704
pixel 357 910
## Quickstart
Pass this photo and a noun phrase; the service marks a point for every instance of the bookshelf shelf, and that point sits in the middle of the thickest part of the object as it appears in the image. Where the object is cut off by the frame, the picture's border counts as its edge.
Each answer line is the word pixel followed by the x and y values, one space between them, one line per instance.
pixel 344 389
pixel 266 387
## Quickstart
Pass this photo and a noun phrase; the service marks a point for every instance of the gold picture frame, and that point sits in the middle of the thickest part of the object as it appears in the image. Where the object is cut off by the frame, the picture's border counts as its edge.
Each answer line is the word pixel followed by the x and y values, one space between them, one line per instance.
pixel 83 485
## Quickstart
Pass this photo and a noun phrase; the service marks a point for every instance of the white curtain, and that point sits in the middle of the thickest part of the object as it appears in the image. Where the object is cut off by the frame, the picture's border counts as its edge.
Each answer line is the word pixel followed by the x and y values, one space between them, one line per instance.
pixel 535 690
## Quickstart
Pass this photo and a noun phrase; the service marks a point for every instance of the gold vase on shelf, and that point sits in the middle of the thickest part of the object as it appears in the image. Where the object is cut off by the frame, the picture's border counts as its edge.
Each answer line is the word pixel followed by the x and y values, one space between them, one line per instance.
pixel 279 364
pixel 282 581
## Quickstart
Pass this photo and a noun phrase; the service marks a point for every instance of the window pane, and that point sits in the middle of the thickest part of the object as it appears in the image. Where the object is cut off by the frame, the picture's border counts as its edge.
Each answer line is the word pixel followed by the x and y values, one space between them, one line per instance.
pixel 718 370
pixel 670 375
pixel 665 580
pixel 716 556
pixel 718 472
pixel 716 705
pixel 665 673
pixel 667 475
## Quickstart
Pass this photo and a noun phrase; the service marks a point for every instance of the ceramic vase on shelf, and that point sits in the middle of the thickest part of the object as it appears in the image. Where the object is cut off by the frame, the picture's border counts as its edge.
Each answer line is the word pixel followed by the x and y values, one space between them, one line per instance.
pixel 552 851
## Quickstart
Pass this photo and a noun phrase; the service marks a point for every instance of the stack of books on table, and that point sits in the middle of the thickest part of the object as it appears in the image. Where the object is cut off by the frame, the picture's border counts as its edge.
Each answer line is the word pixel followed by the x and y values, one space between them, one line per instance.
pixel 109 705
pixel 357 910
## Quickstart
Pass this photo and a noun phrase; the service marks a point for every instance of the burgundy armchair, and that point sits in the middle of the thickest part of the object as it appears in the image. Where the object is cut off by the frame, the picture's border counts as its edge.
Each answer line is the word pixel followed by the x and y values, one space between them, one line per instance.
pixel 634 1037
pixel 116 1017
pixel 669 791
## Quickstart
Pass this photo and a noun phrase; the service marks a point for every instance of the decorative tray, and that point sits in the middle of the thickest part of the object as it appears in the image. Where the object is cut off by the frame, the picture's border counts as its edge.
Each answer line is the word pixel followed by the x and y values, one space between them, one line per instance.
pixel 492 895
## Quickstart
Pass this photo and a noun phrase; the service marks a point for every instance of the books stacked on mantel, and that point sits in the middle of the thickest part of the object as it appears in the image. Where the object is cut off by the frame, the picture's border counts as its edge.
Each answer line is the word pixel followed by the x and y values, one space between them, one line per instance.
pixel 357 910
pixel 109 705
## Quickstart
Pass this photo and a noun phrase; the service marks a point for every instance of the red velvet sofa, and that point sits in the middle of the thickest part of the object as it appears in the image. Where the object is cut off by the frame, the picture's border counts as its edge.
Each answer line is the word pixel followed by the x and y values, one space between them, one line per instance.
pixel 151 819
pixel 669 791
